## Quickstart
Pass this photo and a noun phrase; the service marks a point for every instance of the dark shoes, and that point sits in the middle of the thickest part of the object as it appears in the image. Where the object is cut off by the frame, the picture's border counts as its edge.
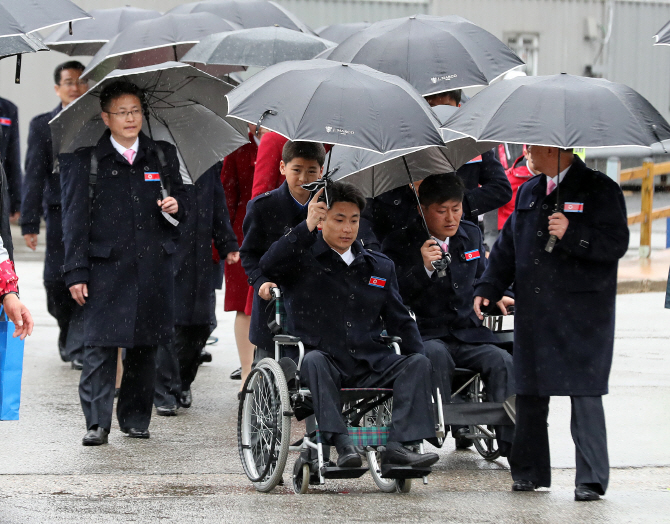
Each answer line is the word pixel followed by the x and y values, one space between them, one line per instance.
pixel 236 375
pixel 349 458
pixel 396 454
pixel 205 356
pixel 524 485
pixel 462 441
pixel 167 411
pixel 95 436
pixel 185 399
pixel 583 493
pixel 77 364
pixel 136 433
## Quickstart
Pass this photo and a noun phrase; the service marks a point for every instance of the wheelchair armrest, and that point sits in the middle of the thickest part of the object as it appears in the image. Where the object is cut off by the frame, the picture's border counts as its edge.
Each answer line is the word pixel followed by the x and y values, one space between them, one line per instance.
pixel 387 339
pixel 286 339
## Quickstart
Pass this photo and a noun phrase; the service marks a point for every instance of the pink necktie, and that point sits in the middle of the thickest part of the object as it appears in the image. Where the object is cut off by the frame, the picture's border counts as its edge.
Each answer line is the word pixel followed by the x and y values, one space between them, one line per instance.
pixel 551 185
pixel 445 247
pixel 129 154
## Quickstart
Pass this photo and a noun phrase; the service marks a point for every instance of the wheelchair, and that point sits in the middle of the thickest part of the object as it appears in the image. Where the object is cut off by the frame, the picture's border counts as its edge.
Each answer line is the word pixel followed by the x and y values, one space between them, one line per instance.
pixel 272 396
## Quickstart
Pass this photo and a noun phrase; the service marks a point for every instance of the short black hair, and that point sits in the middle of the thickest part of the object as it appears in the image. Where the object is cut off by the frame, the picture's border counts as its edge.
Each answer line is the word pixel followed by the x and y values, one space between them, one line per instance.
pixel 345 192
pixel 437 189
pixel 116 89
pixel 71 64
pixel 456 95
pixel 306 150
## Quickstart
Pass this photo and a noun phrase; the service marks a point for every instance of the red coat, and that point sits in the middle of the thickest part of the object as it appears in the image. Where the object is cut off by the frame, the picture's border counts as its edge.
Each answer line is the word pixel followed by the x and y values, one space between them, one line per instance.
pixel 237 177
pixel 517 175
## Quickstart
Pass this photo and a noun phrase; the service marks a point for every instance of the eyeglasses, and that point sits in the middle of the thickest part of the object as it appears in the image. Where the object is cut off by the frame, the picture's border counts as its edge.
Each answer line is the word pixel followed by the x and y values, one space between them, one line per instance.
pixel 72 83
pixel 124 114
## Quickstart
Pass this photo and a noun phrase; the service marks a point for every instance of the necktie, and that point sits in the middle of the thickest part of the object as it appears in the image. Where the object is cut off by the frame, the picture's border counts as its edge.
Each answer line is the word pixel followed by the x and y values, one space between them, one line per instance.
pixel 129 155
pixel 551 185
pixel 445 247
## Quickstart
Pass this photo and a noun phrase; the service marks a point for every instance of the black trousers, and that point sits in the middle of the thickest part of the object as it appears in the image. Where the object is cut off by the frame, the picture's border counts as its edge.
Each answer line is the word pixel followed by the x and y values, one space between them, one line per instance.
pixel 530 452
pixel 98 380
pixel 189 341
pixel 412 408
pixel 168 380
pixel 70 318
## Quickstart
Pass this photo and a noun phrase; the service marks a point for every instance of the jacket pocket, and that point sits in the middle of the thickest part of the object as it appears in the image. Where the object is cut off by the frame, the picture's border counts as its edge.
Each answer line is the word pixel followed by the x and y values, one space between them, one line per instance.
pixel 169 247
pixel 99 251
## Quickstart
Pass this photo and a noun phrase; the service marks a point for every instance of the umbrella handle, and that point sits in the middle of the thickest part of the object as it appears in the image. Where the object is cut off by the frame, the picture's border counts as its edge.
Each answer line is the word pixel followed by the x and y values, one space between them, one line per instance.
pixel 17 76
pixel 551 243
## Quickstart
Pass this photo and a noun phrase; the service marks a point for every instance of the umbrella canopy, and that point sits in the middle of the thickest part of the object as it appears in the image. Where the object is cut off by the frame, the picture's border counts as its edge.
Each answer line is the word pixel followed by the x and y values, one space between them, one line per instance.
pixel 663 35
pixel 26 16
pixel 258 47
pixel 433 53
pixel 247 13
pixel 90 35
pixel 562 111
pixel 324 55
pixel 186 107
pixel 334 103
pixel 340 32
pixel 19 44
pixel 154 41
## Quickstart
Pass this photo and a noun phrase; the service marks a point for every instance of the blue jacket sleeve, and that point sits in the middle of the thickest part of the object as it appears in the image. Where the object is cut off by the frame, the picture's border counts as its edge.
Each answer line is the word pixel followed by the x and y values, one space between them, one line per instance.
pixel 223 234
pixel 493 191
pixel 39 164
pixel 253 245
pixel 280 262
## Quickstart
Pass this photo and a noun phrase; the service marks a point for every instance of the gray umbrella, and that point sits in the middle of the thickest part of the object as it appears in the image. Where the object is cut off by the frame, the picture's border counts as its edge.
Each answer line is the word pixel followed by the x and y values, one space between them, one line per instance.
pixel 334 103
pixel 663 35
pixel 90 35
pixel 258 47
pixel 186 107
pixel 433 53
pixel 18 45
pixel 340 32
pixel 156 40
pixel 25 16
pixel 247 13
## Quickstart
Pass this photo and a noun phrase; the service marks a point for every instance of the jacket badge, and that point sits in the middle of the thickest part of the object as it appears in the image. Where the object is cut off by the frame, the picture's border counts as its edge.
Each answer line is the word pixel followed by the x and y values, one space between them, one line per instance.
pixel 5 121
pixel 573 207
pixel 152 176
pixel 471 255
pixel 377 282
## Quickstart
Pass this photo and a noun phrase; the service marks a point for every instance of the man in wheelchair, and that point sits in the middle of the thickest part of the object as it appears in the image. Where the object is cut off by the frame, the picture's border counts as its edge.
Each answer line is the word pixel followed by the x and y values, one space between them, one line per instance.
pixel 436 276
pixel 338 299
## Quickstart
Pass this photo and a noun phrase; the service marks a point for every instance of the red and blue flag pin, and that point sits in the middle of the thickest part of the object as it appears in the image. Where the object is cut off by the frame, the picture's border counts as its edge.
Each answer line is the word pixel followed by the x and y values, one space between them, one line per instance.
pixel 152 176
pixel 5 121
pixel 377 282
pixel 573 207
pixel 471 255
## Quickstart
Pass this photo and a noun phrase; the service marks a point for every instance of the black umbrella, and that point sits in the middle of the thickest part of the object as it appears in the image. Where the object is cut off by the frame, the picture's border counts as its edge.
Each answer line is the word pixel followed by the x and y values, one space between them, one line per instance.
pixel 340 32
pixel 433 53
pixel 88 36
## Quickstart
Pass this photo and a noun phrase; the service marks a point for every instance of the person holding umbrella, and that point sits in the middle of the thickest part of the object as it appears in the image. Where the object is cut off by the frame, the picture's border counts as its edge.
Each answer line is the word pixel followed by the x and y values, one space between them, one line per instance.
pixel 119 230
pixel 10 154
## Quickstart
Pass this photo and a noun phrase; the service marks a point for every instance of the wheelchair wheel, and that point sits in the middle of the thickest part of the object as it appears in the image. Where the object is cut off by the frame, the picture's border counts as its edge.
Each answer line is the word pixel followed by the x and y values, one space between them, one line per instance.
pixel 263 426
pixel 380 416
pixel 483 436
pixel 301 475
pixel 403 485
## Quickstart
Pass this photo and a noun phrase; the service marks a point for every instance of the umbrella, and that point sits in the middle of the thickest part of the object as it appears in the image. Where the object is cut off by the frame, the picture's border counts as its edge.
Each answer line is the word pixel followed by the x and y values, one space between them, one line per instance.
pixel 340 32
pixel 663 35
pixel 334 103
pixel 324 55
pixel 258 47
pixel 154 41
pixel 25 16
pixel 433 53
pixel 90 35
pixel 18 45
pixel 186 107
pixel 247 13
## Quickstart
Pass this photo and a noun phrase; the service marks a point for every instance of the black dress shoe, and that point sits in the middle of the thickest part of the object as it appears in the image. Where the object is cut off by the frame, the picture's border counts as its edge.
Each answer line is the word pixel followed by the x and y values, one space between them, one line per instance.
pixel 236 375
pixel 205 356
pixel 524 485
pixel 167 411
pixel 136 433
pixel 396 454
pixel 77 364
pixel 95 437
pixel 349 458
pixel 583 493
pixel 462 442
pixel 185 399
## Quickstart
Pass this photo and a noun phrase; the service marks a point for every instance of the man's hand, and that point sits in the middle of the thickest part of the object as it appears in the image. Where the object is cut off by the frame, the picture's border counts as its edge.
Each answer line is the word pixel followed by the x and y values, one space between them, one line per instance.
pixel 31 240
pixel 19 314
pixel 169 205
pixel 430 252
pixel 264 291
pixel 80 293
pixel 14 217
pixel 479 302
pixel 558 224
pixel 233 257
pixel 316 211
pixel 504 303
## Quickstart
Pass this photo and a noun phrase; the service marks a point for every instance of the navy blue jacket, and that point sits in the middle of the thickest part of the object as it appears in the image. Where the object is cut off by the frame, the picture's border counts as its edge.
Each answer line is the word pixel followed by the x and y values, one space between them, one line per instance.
pixel 564 300
pixel 443 306
pixel 121 244
pixel 207 220
pixel 10 153
pixel 341 309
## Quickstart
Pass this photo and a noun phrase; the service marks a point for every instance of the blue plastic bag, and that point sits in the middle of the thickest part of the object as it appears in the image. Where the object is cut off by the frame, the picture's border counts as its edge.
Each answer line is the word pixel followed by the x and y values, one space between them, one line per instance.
pixel 11 369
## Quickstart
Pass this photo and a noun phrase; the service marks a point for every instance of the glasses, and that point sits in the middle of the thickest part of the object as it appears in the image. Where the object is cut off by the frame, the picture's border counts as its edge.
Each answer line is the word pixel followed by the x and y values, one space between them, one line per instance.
pixel 124 114
pixel 72 83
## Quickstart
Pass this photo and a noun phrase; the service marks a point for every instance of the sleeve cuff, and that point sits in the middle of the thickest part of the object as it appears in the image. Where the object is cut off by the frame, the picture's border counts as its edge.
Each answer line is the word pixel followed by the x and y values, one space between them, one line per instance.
pixel 30 229
pixel 76 276
pixel 486 290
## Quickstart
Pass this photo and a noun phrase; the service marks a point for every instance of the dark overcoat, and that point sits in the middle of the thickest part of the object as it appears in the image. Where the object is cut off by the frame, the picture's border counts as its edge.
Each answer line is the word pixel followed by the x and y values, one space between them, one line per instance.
pixel 122 246
pixel 10 151
pixel 341 309
pixel 565 300
pixel 207 220
pixel 443 306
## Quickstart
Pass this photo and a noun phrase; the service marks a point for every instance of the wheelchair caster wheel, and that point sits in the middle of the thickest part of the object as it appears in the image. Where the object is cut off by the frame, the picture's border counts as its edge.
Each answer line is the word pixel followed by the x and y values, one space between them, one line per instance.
pixel 403 485
pixel 301 477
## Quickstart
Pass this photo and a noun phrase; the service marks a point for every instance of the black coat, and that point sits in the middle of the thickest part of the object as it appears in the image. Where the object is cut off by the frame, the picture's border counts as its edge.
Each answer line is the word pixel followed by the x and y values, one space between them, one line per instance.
pixel 340 309
pixel 122 246
pixel 207 220
pixel 443 306
pixel 564 311
pixel 10 152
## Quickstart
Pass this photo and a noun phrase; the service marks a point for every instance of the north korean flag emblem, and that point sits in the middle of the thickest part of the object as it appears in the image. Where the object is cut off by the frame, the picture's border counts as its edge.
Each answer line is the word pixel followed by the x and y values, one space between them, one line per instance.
pixel 573 207
pixel 475 160
pixel 377 282
pixel 152 176
pixel 5 121
pixel 471 255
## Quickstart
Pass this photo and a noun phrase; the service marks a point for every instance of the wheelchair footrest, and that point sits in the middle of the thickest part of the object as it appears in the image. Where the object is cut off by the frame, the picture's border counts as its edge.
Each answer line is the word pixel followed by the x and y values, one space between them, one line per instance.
pixel 404 472
pixel 333 472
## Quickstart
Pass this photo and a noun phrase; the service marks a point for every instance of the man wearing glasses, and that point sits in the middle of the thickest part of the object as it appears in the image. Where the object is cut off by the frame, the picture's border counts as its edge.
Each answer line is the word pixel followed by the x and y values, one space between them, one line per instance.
pixel 41 196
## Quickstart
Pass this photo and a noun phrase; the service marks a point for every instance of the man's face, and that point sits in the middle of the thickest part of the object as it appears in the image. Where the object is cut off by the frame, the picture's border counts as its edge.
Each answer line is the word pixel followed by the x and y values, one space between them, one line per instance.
pixel 441 100
pixel 124 117
pixel 443 219
pixel 70 87
pixel 300 171
pixel 540 158
pixel 340 228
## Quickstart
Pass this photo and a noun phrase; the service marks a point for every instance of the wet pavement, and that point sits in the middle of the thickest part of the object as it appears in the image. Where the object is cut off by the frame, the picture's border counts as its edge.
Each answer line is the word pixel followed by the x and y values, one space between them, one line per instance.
pixel 189 471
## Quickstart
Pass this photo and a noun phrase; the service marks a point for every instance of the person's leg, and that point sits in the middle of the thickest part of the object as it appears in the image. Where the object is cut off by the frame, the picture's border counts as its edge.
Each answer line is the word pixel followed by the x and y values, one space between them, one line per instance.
pixel 590 436
pixel 60 305
pixel 135 403
pixel 530 459
pixel 96 386
pixel 168 381
pixel 245 349
pixel 74 343
pixel 189 341
pixel 443 367
pixel 320 375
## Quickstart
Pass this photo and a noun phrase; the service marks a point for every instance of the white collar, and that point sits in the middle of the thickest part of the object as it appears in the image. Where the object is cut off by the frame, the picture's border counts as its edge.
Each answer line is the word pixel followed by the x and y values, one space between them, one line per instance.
pixel 446 241
pixel 135 147
pixel 561 175
pixel 348 256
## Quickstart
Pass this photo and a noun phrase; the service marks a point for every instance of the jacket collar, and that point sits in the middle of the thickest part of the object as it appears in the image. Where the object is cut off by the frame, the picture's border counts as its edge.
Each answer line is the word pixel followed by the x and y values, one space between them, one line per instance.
pixel 570 180
pixel 105 148
pixel 322 250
